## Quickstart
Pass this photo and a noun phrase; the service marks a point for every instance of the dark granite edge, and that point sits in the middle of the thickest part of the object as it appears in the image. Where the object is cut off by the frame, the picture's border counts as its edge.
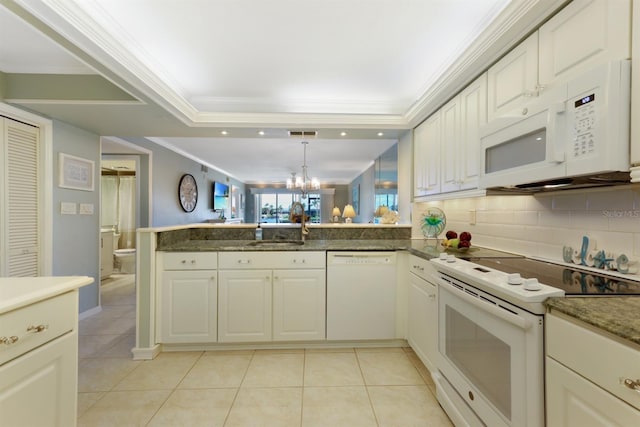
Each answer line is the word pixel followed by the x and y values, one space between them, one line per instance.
pixel 616 315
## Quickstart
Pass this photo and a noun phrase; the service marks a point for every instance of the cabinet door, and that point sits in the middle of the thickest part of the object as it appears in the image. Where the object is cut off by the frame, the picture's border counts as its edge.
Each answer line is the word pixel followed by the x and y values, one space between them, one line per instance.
pixel 449 146
pixel 188 307
pixel 513 80
pixel 584 34
pixel 106 254
pixel 244 305
pixel 473 115
pixel 40 387
pixel 573 401
pixel 426 160
pixel 423 320
pixel 299 305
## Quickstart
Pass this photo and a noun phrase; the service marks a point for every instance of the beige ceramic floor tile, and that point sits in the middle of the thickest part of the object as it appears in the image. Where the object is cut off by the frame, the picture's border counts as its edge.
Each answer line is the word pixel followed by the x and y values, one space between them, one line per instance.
pixel 103 374
pixel 280 351
pixel 275 370
pixel 379 350
pixel 217 372
pixel 124 409
pixel 162 373
pixel 95 345
pixel 229 353
pixel 388 368
pixel 122 348
pixel 194 408
pixel 332 369
pixel 336 406
pixel 407 406
pixel 254 407
pixel 425 374
pixel 87 400
pixel 330 350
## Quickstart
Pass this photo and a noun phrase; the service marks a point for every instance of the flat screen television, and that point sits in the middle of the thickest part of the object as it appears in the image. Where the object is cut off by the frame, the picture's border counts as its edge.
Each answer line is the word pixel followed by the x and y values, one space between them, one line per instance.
pixel 220 196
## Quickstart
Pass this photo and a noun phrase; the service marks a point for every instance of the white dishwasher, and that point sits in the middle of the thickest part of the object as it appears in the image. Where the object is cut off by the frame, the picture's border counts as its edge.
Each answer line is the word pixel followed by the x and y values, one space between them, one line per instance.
pixel 361 295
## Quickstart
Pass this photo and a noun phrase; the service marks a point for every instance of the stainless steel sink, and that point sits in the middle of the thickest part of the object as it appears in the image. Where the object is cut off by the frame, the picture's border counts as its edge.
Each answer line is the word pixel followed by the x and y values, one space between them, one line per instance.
pixel 276 243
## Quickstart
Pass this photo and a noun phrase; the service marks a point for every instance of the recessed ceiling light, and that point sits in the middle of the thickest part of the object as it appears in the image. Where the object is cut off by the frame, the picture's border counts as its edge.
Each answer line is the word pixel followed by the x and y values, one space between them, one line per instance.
pixel 380 134
pixel 260 132
pixel 343 134
pixel 224 132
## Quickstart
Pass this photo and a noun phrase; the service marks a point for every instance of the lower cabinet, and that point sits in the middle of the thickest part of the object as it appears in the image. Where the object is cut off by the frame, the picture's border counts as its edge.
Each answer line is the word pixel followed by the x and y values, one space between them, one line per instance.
pixel 244 306
pixel 422 313
pixel 585 374
pixel 271 296
pixel 40 388
pixel 188 297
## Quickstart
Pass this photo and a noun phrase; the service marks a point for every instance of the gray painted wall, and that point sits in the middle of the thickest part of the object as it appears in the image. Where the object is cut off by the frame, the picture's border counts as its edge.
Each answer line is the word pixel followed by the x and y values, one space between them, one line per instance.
pixel 76 238
pixel 367 195
pixel 167 168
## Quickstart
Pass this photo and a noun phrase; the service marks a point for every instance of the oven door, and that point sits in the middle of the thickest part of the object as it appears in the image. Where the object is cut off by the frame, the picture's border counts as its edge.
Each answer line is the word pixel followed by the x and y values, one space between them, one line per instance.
pixel 492 354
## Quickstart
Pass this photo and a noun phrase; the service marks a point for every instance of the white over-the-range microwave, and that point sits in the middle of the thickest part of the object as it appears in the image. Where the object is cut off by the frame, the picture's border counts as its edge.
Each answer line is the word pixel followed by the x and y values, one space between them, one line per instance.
pixel 576 133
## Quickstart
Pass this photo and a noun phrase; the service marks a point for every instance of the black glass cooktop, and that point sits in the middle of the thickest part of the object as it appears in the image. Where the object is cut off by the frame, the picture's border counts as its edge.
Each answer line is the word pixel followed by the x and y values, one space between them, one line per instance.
pixel 573 281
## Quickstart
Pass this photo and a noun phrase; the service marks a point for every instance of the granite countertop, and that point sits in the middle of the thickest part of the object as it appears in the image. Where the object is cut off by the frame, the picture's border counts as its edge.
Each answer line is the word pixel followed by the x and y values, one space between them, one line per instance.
pixel 17 292
pixel 616 315
pixel 309 245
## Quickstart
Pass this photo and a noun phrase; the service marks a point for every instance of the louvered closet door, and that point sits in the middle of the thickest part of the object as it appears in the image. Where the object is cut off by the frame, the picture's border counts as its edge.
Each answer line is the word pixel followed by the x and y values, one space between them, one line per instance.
pixel 21 151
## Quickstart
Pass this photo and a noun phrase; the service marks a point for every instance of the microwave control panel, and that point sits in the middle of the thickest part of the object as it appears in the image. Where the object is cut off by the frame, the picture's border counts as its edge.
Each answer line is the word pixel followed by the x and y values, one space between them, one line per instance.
pixel 584 126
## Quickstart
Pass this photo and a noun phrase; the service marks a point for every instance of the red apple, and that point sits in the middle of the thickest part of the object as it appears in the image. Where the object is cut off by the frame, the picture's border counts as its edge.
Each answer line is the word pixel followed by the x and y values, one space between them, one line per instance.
pixel 465 235
pixel 464 244
pixel 451 234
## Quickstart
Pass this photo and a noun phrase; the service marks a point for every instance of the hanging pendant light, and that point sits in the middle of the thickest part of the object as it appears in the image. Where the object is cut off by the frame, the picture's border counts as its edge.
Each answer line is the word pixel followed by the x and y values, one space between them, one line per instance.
pixel 303 182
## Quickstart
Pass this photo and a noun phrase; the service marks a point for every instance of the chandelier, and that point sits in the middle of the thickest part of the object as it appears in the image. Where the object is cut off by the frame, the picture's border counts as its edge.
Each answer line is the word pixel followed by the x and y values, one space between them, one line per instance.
pixel 303 182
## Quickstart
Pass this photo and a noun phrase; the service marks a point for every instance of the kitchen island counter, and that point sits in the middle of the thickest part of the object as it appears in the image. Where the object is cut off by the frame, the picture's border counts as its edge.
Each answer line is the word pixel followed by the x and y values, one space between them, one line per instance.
pixel 615 315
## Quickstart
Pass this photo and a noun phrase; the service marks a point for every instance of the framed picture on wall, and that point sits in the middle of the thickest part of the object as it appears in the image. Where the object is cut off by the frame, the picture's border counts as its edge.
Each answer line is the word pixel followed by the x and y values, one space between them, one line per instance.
pixel 75 173
pixel 356 198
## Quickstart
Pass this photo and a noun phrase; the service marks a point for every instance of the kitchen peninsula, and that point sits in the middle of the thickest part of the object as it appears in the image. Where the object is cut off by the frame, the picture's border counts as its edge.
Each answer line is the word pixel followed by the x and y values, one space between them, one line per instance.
pixel 200 255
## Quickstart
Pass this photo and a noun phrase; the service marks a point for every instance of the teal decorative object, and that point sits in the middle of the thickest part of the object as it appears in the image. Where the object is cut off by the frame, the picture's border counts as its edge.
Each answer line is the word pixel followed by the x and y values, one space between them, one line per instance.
pixel 433 222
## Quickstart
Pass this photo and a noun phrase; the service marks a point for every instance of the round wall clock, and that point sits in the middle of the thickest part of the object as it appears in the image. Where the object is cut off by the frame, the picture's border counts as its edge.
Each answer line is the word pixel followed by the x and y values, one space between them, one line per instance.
pixel 188 192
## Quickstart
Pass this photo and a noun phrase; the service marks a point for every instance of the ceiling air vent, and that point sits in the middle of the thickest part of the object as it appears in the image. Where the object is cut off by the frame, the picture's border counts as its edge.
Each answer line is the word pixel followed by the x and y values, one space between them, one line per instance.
pixel 302 133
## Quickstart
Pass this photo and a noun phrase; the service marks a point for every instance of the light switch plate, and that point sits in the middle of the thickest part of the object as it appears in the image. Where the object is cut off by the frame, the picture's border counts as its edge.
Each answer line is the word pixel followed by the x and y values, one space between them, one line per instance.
pixel 68 208
pixel 86 208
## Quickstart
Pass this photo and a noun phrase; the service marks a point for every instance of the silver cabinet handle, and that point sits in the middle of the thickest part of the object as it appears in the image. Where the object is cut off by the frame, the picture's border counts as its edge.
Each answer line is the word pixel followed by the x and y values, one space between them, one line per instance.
pixel 631 384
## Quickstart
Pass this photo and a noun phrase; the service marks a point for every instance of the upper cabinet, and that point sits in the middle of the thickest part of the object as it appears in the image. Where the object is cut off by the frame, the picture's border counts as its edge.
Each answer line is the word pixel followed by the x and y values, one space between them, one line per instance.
pixel 447 144
pixel 513 81
pixel 583 34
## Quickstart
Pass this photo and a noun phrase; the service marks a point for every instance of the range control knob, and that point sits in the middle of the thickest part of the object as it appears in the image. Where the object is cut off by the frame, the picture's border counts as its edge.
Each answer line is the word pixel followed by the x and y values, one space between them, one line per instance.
pixel 532 284
pixel 451 258
pixel 514 279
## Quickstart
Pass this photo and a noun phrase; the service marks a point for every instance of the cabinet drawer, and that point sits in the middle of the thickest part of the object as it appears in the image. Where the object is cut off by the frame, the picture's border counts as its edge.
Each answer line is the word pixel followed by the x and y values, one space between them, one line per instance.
pixel 272 260
pixel 421 268
pixel 190 260
pixel 29 327
pixel 600 359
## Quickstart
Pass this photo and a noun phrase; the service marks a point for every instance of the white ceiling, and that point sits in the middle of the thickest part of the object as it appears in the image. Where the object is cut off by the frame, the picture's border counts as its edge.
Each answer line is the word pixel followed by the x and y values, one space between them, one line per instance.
pixel 198 67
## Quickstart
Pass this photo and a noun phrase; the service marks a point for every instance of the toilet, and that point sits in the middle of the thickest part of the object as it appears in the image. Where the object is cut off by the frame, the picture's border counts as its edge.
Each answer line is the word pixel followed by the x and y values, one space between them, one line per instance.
pixel 125 260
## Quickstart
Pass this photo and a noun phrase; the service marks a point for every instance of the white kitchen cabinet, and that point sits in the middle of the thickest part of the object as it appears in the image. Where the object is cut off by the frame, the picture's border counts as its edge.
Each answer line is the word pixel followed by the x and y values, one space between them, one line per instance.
pixel 462 118
pixel 39 351
pixel 580 36
pixel 584 373
pixel 426 156
pixel 299 305
pixel 244 306
pixel 423 312
pixel 106 254
pixel 188 297
pixel 265 296
pixel 583 34
pixel 513 80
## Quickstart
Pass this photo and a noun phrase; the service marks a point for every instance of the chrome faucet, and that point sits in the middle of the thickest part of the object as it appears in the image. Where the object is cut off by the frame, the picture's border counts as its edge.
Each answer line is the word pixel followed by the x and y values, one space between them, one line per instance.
pixel 297 208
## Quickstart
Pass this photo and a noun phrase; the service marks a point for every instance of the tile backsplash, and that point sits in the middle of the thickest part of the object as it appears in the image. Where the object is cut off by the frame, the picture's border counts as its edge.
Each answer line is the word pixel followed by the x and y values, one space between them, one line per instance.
pixel 541 225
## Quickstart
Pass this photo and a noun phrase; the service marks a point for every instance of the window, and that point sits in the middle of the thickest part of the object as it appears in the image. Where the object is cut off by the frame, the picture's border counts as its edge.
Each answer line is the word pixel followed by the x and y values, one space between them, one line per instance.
pixel 274 207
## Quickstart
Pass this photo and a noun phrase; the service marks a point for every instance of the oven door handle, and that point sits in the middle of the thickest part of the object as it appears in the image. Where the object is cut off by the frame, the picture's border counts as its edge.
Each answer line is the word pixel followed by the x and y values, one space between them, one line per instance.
pixel 518 321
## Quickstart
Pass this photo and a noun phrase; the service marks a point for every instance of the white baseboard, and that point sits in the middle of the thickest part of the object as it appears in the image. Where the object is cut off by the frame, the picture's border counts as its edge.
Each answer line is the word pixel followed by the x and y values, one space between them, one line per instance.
pixel 91 312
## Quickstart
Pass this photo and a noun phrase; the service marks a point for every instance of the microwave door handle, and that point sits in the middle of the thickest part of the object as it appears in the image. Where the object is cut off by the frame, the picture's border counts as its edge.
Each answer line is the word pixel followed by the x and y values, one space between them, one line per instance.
pixel 555 148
